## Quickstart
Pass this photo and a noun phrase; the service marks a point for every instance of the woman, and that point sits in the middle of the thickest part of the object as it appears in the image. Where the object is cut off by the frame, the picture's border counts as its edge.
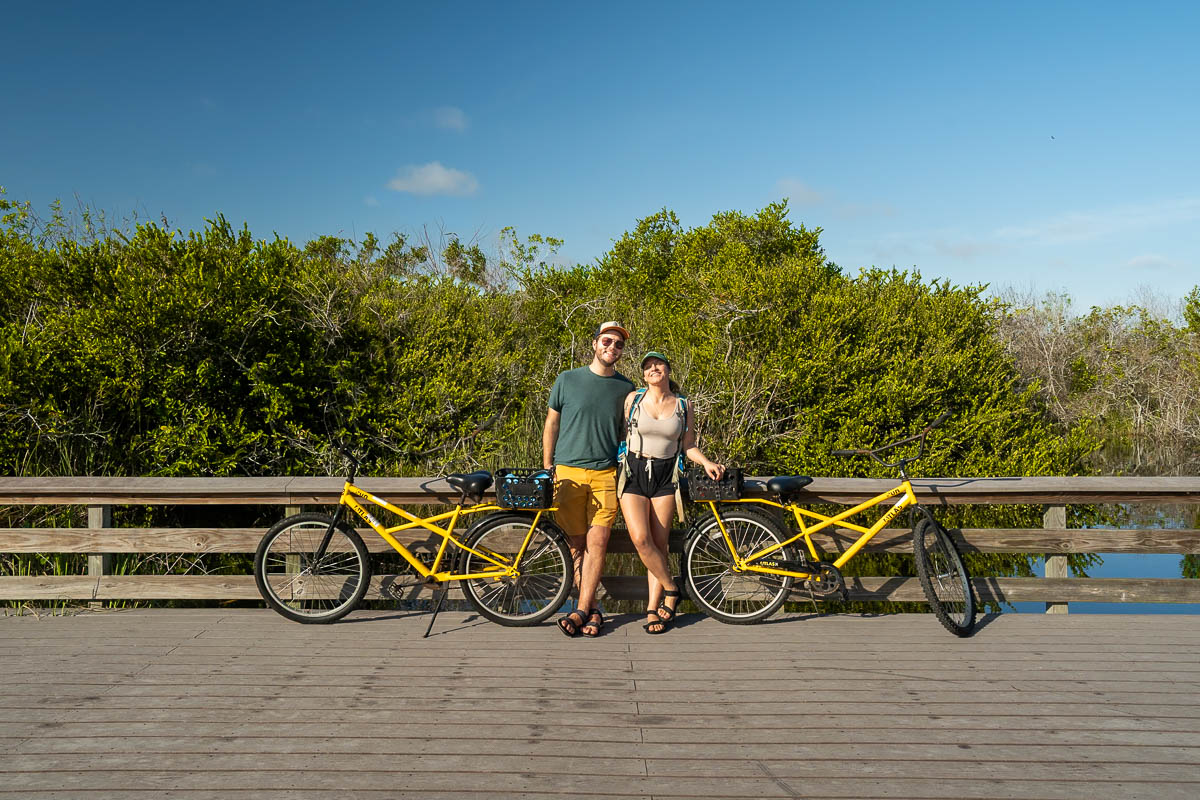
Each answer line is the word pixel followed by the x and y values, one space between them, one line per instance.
pixel 658 428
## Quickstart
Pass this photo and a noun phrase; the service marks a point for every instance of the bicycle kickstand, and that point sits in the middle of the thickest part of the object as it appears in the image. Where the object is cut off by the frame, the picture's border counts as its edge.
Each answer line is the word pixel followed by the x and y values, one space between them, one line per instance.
pixel 442 592
pixel 813 599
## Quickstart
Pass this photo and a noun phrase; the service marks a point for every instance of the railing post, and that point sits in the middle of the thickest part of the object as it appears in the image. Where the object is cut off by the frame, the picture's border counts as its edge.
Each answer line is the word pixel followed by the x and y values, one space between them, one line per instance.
pixel 99 564
pixel 291 561
pixel 1055 518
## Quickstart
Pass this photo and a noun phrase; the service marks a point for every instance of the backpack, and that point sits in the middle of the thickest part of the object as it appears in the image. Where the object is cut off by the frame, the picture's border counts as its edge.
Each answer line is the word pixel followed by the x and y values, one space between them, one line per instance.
pixel 631 425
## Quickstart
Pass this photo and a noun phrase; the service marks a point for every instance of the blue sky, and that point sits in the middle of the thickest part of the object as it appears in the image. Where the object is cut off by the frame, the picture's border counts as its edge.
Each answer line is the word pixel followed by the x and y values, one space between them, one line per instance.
pixel 1046 146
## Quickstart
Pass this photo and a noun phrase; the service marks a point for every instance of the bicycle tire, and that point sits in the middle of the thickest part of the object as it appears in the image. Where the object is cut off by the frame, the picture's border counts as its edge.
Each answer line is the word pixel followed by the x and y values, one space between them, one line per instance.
pixel 284 569
pixel 944 577
pixel 547 570
pixel 727 596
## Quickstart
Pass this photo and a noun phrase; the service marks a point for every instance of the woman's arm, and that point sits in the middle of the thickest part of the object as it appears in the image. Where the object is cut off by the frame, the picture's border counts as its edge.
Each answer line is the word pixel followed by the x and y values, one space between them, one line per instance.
pixel 694 453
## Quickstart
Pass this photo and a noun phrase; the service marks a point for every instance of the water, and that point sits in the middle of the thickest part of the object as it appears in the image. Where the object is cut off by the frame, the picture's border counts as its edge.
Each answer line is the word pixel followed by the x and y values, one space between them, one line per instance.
pixel 1126 565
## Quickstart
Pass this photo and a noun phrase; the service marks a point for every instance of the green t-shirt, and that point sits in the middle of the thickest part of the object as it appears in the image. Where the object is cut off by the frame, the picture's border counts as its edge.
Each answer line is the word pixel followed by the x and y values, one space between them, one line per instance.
pixel 590 428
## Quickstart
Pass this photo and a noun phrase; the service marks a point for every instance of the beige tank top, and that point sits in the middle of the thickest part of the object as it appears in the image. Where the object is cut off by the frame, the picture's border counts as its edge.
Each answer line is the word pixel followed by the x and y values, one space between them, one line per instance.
pixel 656 438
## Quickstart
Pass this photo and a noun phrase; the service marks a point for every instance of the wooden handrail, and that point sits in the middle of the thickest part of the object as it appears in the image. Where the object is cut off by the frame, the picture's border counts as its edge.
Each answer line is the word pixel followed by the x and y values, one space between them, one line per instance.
pixel 316 490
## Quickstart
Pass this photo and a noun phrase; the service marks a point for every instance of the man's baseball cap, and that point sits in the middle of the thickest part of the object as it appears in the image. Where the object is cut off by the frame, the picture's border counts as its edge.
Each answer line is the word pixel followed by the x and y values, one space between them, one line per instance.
pixel 605 327
pixel 654 354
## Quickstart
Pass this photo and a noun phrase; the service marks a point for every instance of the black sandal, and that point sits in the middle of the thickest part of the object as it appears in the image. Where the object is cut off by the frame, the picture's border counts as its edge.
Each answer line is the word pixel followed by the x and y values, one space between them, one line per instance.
pixel 569 626
pixel 595 621
pixel 659 621
pixel 665 613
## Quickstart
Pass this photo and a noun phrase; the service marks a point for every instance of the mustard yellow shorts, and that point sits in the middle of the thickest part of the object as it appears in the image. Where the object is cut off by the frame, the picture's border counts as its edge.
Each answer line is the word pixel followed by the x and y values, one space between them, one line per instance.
pixel 585 497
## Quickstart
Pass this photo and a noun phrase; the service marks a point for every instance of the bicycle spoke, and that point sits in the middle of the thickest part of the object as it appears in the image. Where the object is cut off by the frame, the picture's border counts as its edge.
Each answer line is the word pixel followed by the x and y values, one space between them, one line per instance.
pixel 302 587
pixel 719 589
pixel 543 579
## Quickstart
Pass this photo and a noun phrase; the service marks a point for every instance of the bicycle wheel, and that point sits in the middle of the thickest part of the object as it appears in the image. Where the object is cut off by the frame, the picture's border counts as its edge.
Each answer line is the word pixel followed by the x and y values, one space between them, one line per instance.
pixel 546 570
pixel 944 577
pixel 738 598
pixel 297 585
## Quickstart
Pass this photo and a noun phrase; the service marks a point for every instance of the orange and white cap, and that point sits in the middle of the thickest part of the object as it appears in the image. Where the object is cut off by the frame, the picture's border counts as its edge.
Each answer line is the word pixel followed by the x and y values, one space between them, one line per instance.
pixel 605 327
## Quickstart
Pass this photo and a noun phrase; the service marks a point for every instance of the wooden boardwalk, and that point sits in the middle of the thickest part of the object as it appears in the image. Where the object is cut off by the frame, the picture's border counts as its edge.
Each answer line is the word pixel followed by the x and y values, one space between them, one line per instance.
pixel 242 704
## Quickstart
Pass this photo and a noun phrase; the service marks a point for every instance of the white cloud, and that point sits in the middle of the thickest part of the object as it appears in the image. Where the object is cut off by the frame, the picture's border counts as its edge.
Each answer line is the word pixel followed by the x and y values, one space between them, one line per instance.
pixel 433 178
pixel 1149 261
pixel 450 118
pixel 371 201
pixel 856 211
pixel 1080 226
pixel 965 249
pixel 798 192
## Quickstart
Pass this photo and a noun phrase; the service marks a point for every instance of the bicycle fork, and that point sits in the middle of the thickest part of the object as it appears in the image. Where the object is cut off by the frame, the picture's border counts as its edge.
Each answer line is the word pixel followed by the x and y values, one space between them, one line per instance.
pixel 328 537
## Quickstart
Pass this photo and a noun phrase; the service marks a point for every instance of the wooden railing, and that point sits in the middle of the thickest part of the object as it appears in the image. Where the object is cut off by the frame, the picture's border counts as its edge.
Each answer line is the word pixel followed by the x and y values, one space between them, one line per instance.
pixel 100 540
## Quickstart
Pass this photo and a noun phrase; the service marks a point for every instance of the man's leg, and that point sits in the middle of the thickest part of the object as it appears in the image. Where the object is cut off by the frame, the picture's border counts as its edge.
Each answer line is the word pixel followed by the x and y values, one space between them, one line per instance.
pixel 595 546
pixel 602 513
pixel 572 497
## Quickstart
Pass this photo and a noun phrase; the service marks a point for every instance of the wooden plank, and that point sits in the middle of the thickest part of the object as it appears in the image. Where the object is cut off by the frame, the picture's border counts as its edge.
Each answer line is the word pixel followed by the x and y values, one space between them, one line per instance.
pixel 889 540
pixel 835 744
pixel 982 540
pixel 391 587
pixel 802 764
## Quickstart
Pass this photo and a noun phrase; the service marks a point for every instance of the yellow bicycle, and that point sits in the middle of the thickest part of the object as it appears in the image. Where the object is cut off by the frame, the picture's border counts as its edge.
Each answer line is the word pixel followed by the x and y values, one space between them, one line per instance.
pixel 514 563
pixel 740 561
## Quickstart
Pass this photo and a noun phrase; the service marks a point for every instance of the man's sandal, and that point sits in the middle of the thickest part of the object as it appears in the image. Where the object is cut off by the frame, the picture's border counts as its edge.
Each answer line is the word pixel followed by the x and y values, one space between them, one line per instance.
pixel 594 624
pixel 571 624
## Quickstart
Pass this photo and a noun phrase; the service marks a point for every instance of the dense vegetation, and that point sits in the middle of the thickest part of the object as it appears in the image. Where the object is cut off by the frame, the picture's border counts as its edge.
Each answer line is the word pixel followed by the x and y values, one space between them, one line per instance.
pixel 213 353
pixel 153 351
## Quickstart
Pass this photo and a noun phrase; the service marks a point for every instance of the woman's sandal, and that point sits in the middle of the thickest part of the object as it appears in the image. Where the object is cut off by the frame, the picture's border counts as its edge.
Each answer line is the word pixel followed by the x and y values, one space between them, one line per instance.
pixel 595 622
pixel 657 622
pixel 665 613
pixel 568 624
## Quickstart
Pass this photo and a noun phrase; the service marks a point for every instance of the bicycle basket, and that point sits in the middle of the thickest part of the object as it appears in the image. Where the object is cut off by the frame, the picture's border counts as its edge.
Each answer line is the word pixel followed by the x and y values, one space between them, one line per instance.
pixel 703 488
pixel 525 489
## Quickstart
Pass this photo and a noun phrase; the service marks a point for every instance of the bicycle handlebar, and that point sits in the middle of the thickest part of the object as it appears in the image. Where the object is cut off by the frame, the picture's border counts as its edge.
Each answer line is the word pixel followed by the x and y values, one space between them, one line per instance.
pixel 874 452
pixel 355 462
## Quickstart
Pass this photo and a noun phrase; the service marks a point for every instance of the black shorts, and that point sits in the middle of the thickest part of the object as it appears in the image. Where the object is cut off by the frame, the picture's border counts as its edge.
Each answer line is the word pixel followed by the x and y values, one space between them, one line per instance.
pixel 650 477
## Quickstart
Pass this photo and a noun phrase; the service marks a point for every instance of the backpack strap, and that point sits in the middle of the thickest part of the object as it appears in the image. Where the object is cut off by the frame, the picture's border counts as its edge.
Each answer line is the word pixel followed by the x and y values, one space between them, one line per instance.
pixel 638 394
pixel 631 422
pixel 681 412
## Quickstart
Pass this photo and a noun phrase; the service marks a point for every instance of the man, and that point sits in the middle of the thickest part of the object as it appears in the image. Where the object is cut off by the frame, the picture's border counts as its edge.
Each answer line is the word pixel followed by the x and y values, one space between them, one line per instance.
pixel 579 441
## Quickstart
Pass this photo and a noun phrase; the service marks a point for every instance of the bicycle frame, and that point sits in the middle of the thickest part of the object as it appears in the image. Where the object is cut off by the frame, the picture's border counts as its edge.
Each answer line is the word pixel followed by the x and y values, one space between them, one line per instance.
pixel 907 499
pixel 504 566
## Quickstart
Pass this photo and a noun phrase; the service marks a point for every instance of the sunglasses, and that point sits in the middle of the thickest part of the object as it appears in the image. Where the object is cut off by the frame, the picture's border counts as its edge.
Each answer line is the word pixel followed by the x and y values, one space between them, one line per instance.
pixel 611 341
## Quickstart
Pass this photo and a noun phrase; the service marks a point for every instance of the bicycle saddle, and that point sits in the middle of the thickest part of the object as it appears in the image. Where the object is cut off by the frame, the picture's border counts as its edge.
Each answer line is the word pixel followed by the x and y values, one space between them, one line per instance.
pixel 471 483
pixel 786 484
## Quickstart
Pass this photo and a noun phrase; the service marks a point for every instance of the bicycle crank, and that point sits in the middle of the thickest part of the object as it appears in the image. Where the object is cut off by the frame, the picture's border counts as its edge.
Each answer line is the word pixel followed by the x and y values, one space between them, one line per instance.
pixel 827 580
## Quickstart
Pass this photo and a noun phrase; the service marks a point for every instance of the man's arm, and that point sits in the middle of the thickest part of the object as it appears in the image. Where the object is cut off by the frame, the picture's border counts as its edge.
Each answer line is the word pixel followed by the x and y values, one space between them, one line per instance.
pixel 549 438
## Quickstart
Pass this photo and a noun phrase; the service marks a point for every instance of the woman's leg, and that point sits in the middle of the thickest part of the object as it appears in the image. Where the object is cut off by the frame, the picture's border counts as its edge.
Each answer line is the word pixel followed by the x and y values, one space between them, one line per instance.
pixel 639 521
pixel 662 514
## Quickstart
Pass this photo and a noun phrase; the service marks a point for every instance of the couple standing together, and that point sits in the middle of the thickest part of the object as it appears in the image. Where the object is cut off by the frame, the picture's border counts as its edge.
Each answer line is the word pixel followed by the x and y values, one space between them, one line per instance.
pixel 592 410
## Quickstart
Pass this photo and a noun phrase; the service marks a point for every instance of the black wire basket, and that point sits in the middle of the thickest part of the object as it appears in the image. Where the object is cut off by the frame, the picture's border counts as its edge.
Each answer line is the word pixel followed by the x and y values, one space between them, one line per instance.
pixel 525 489
pixel 701 488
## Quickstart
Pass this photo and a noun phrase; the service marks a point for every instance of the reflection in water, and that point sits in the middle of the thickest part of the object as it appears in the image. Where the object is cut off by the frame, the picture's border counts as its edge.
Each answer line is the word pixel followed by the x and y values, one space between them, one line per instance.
pixel 1135 565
